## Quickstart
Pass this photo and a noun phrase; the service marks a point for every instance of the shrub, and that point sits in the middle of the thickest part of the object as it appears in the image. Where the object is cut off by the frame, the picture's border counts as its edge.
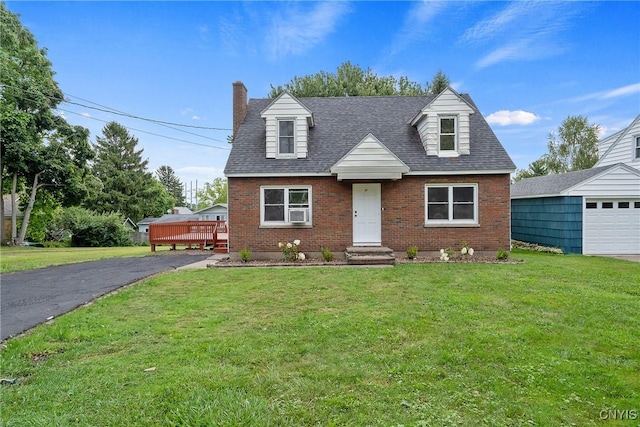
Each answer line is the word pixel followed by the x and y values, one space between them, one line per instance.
pixel 327 255
pixel 412 252
pixel 289 250
pixel 502 254
pixel 89 229
pixel 245 254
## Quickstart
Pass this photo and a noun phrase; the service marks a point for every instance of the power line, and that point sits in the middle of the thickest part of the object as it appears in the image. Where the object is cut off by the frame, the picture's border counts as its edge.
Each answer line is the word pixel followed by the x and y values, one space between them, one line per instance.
pixel 137 130
pixel 149 133
pixel 106 109
pixel 133 116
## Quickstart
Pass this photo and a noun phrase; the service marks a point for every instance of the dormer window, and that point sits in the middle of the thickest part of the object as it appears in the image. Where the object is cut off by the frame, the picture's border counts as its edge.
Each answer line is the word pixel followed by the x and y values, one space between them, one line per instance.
pixel 448 133
pixel 286 137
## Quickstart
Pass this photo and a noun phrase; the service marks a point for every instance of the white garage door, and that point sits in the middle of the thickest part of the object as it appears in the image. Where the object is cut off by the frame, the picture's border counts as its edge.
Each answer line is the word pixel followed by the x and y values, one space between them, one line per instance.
pixel 611 227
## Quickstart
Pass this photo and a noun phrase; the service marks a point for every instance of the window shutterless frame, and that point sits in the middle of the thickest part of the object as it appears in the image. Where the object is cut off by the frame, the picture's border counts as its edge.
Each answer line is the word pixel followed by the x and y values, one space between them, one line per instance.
pixel 286 140
pixel 447 133
pixel 276 202
pixel 451 204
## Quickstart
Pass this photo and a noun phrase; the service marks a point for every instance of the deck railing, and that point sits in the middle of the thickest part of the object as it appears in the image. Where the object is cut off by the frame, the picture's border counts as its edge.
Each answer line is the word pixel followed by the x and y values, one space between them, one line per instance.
pixel 201 233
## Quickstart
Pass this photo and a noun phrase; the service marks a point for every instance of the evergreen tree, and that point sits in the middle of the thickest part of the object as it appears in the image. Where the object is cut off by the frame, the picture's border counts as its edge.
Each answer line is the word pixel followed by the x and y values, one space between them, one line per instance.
pixel 127 186
pixel 171 183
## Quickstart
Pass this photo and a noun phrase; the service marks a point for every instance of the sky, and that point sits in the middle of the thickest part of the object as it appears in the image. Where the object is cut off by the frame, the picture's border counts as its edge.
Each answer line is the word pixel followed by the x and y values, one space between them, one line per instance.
pixel 527 65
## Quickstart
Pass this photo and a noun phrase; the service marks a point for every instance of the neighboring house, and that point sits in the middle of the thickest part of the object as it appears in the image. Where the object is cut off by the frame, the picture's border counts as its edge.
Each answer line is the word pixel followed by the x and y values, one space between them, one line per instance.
pixel 178 218
pixel 621 147
pixel 394 171
pixel 592 211
pixel 143 224
pixel 179 210
pixel 217 212
pixel 130 224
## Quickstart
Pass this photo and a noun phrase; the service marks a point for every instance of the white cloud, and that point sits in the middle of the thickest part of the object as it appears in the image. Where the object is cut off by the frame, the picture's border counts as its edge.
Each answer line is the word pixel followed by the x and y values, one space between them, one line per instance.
pixel 612 93
pixel 507 118
pixel 85 115
pixel 195 117
pixel 296 31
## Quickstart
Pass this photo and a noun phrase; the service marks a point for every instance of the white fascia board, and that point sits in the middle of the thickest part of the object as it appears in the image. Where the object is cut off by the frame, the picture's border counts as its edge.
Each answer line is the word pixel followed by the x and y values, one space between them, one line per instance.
pixel 464 172
pixel 277 175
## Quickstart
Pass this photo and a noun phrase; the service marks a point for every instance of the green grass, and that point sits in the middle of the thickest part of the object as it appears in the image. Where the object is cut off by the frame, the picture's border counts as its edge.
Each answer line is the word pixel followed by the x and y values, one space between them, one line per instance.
pixel 27 258
pixel 551 342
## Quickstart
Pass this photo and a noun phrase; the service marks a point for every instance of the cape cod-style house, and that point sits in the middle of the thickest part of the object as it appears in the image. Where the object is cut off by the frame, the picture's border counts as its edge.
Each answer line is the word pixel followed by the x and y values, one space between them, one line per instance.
pixel 352 172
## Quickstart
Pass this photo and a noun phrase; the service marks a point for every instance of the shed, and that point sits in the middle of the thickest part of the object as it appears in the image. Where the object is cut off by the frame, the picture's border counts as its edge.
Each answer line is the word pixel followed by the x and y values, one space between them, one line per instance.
pixel 592 211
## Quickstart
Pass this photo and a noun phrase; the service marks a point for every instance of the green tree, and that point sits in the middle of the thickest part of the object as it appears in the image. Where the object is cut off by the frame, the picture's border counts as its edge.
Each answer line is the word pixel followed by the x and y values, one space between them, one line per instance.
pixel 535 168
pixel 127 186
pixel 212 193
pixel 38 148
pixel 439 83
pixel 172 183
pixel 352 80
pixel 574 147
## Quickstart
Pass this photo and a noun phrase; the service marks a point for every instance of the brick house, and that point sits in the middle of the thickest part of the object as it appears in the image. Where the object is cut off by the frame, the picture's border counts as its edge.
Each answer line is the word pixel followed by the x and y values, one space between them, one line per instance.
pixel 381 171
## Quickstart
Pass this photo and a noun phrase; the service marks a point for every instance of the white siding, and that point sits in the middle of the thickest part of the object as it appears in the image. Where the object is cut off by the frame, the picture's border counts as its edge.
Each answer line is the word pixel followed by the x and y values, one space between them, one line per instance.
pixel 370 159
pixel 615 182
pixel 622 150
pixel 448 103
pixel 463 134
pixel 286 107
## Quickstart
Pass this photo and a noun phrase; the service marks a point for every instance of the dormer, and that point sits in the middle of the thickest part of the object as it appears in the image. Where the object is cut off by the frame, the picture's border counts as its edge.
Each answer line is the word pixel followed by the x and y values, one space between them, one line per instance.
pixel 443 125
pixel 287 123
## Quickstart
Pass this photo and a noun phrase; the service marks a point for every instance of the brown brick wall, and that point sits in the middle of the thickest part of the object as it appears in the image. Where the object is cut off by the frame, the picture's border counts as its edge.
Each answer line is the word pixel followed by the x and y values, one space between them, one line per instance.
pixel 402 217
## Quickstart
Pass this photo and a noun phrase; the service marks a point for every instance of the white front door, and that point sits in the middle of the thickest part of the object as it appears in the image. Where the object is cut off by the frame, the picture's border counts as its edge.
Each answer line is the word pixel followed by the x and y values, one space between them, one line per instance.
pixel 367 216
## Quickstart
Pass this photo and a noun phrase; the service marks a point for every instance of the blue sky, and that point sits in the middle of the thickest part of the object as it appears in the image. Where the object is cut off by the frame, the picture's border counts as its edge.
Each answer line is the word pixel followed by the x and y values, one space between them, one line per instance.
pixel 527 65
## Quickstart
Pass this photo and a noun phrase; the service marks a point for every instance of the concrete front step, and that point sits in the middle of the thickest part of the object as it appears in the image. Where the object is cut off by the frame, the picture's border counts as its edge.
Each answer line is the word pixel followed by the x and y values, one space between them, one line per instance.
pixel 370 255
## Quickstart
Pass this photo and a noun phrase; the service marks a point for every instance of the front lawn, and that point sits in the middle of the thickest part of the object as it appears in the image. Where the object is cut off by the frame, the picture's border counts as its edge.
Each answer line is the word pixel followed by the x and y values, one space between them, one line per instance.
pixel 550 342
pixel 29 257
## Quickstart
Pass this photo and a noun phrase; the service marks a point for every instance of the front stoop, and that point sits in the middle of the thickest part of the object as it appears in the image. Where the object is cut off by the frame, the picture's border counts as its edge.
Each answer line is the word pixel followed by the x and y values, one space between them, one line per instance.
pixel 370 255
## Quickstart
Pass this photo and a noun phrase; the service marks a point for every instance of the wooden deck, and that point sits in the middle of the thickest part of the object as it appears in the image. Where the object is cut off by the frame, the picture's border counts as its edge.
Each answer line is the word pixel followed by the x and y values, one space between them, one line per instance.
pixel 201 233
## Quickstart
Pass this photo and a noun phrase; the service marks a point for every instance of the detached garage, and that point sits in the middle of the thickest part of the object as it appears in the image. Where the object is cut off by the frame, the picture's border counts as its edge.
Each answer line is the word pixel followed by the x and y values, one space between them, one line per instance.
pixel 593 211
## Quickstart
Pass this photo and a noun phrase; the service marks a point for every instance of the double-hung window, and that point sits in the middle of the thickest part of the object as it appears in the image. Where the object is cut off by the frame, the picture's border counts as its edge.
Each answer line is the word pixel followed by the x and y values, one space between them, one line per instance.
pixel 285 205
pixel 286 137
pixel 448 134
pixel 637 147
pixel 451 204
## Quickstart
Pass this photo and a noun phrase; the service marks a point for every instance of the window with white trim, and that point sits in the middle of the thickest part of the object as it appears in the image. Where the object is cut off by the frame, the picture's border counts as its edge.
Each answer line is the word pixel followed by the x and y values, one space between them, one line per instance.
pixel 448 134
pixel 637 147
pixel 451 204
pixel 285 205
pixel 286 137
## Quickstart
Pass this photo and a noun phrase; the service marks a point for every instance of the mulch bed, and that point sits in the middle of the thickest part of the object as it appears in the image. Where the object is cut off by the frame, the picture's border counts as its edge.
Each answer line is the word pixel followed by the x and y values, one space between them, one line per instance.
pixel 311 262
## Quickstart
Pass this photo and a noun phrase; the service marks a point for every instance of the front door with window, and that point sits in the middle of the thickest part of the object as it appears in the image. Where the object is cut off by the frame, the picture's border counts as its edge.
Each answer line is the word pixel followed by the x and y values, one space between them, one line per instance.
pixel 367 218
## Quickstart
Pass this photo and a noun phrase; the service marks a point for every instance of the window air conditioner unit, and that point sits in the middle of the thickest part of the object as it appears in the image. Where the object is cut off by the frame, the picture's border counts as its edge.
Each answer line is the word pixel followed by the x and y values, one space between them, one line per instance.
pixel 298 215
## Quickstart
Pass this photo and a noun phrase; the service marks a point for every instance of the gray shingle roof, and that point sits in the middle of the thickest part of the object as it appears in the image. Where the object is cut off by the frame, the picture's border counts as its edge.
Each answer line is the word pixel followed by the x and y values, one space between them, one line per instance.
pixel 552 185
pixel 341 123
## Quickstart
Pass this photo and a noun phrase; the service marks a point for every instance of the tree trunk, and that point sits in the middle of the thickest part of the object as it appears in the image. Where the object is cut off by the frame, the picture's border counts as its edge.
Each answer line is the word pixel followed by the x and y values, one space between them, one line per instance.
pixel 14 209
pixel 27 211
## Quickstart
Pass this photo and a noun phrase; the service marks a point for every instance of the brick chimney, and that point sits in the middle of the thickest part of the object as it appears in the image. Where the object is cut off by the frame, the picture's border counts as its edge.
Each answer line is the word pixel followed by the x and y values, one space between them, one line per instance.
pixel 239 105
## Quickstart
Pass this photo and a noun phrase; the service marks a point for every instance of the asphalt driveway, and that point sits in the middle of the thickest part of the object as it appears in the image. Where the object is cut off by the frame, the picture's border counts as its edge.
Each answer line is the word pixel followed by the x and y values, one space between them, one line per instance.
pixel 29 298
